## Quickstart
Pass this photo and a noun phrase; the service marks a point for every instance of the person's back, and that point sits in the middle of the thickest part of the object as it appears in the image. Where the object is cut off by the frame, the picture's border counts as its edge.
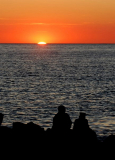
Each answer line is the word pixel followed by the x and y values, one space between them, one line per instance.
pixel 61 120
pixel 82 129
pixel 81 123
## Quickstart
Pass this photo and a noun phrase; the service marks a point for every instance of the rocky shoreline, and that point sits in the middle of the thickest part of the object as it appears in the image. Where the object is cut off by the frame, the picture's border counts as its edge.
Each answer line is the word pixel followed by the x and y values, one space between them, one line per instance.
pixel 32 141
pixel 31 137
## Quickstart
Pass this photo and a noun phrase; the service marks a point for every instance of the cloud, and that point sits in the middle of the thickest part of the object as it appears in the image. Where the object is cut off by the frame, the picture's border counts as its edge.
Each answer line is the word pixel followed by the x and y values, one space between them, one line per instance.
pixel 55 24
pixel 35 23
pixel 46 24
pixel 2 18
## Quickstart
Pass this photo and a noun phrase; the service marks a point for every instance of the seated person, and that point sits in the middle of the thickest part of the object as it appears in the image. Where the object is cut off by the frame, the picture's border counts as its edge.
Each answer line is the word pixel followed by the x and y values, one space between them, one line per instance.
pixel 82 130
pixel 61 121
pixel 81 123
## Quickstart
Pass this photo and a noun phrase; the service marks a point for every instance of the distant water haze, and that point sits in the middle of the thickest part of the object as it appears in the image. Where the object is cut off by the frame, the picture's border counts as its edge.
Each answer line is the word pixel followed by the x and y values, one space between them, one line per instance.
pixel 35 80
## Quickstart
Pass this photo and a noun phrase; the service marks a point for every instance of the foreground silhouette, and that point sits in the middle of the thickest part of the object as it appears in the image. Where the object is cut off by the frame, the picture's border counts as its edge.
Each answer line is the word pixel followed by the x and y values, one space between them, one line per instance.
pixel 1 118
pixel 31 140
pixel 82 130
pixel 61 121
pixel 85 139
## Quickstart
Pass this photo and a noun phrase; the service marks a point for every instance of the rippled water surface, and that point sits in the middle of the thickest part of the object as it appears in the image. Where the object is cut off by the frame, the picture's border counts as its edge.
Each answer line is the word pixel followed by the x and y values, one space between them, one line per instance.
pixel 35 80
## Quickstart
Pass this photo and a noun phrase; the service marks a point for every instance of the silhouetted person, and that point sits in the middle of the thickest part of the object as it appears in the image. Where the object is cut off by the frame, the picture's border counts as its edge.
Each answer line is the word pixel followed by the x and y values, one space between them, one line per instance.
pixel 61 134
pixel 61 121
pixel 84 138
pixel 81 123
pixel 82 129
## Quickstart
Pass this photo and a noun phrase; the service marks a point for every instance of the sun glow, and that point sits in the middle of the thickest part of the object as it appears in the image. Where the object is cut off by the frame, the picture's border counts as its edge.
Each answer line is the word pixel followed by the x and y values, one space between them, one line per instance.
pixel 42 43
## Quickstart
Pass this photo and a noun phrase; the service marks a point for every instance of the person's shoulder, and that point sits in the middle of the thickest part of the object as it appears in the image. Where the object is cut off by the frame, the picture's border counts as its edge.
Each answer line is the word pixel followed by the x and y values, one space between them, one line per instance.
pixel 56 115
pixel 67 115
pixel 76 121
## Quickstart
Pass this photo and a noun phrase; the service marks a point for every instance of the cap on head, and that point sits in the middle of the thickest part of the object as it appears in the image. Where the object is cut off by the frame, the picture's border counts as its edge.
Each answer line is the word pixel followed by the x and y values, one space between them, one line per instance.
pixel 82 115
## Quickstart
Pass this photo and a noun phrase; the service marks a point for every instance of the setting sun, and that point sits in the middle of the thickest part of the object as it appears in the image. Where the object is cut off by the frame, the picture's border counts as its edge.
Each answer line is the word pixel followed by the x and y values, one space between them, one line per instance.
pixel 42 43
pixel 33 21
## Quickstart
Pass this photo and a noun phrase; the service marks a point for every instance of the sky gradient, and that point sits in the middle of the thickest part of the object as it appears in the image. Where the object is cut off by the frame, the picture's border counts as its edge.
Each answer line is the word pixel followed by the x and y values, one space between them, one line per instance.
pixel 57 21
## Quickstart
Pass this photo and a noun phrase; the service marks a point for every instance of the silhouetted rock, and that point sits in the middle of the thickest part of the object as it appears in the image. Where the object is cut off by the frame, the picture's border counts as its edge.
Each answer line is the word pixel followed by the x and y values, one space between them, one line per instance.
pixel 28 139
pixel 108 147
pixel 18 126
pixel 110 140
pixel 35 135
pixel 6 139
pixel 31 140
pixel 1 118
pixel 19 130
pixel 34 127
pixel 19 135
pixel 5 132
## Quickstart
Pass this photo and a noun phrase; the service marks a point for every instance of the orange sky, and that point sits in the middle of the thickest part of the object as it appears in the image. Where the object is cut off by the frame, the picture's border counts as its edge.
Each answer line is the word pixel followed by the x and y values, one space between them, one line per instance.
pixel 57 21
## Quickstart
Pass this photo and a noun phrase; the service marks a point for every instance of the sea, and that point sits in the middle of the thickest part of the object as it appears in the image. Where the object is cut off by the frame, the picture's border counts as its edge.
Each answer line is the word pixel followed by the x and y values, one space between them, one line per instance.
pixel 36 79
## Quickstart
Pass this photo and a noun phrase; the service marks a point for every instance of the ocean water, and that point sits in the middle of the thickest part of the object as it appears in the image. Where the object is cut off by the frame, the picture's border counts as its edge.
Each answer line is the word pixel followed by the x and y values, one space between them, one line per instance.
pixel 36 79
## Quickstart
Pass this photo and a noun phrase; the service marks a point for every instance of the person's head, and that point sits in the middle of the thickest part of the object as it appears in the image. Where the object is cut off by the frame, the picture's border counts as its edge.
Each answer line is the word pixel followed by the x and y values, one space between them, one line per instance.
pixel 61 109
pixel 1 118
pixel 82 115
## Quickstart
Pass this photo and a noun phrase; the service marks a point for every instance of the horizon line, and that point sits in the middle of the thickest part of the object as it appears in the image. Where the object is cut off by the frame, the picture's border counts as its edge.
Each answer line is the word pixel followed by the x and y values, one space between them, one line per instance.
pixel 58 43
